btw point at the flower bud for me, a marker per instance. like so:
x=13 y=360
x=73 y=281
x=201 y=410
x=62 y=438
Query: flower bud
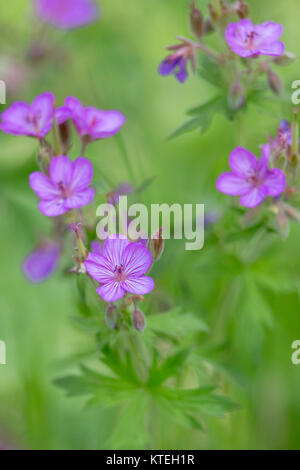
x=138 y=320
x=242 y=9
x=292 y=213
x=283 y=226
x=155 y=245
x=208 y=27
x=111 y=316
x=65 y=136
x=274 y=81
x=196 y=21
x=286 y=58
x=236 y=96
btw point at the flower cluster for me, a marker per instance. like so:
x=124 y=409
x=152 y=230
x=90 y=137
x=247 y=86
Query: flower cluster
x=64 y=187
x=244 y=40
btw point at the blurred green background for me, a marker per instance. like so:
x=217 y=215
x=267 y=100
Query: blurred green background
x=113 y=64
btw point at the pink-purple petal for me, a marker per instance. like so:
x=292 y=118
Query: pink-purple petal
x=61 y=169
x=43 y=108
x=53 y=208
x=80 y=198
x=254 y=197
x=229 y=183
x=99 y=268
x=136 y=259
x=42 y=186
x=103 y=123
x=14 y=120
x=42 y=262
x=242 y=162
x=82 y=173
x=114 y=247
x=111 y=291
x=67 y=14
x=139 y=285
x=275 y=49
x=275 y=182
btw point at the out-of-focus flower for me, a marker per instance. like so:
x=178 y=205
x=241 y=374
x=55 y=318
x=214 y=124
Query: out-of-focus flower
x=124 y=189
x=42 y=262
x=196 y=21
x=120 y=268
x=176 y=63
x=283 y=139
x=93 y=123
x=249 y=40
x=67 y=14
x=251 y=178
x=33 y=120
x=66 y=187
x=15 y=73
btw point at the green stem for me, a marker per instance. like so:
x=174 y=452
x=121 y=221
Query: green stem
x=56 y=137
x=124 y=153
x=239 y=128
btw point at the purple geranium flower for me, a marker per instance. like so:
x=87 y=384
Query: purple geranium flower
x=249 y=40
x=67 y=14
x=33 y=120
x=176 y=63
x=120 y=268
x=42 y=262
x=92 y=122
x=65 y=188
x=251 y=178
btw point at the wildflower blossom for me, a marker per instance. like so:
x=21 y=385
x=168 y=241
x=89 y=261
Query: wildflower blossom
x=34 y=120
x=120 y=268
x=67 y=14
x=94 y=123
x=176 y=63
x=42 y=262
x=251 y=178
x=283 y=138
x=249 y=40
x=66 y=187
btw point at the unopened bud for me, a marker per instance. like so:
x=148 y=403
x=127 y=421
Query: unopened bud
x=292 y=213
x=283 y=226
x=111 y=316
x=196 y=21
x=138 y=320
x=155 y=245
x=242 y=9
x=208 y=26
x=274 y=81
x=65 y=136
x=286 y=58
x=236 y=96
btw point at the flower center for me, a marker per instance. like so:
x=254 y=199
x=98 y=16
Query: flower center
x=64 y=191
x=254 y=179
x=119 y=273
x=250 y=39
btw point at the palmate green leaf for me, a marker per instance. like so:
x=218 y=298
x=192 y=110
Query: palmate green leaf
x=89 y=383
x=159 y=373
x=182 y=405
x=201 y=116
x=130 y=428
